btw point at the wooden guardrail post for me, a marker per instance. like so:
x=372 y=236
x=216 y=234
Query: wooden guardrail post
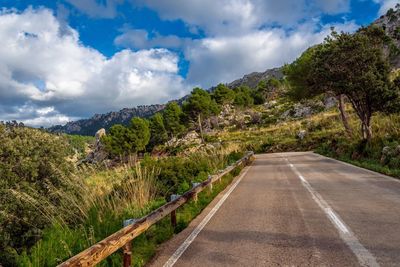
x=220 y=176
x=127 y=248
x=210 y=186
x=173 y=213
x=195 y=198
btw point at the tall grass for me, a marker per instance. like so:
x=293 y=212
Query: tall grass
x=84 y=216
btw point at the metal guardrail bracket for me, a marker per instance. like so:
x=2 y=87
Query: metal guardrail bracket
x=194 y=184
x=127 y=222
x=174 y=196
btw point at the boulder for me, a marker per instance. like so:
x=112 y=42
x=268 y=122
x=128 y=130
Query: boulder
x=302 y=134
x=99 y=134
x=386 y=154
x=98 y=154
x=191 y=138
x=330 y=102
x=397 y=151
x=300 y=111
x=270 y=104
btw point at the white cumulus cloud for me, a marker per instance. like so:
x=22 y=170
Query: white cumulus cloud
x=239 y=16
x=225 y=58
x=386 y=5
x=44 y=67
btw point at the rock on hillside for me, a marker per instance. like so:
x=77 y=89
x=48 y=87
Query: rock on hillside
x=251 y=80
x=390 y=22
x=98 y=121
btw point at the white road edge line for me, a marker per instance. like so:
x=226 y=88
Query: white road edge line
x=182 y=248
x=365 y=258
x=357 y=167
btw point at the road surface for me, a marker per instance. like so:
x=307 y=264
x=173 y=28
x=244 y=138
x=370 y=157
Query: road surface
x=295 y=209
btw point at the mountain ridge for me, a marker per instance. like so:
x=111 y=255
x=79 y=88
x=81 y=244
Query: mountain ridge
x=90 y=125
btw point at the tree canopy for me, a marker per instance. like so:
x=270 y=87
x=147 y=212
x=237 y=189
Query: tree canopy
x=172 y=115
x=200 y=104
x=158 y=133
x=243 y=96
x=223 y=95
x=122 y=140
x=353 y=65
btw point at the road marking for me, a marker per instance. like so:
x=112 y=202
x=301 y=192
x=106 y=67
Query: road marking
x=365 y=258
x=357 y=167
x=178 y=253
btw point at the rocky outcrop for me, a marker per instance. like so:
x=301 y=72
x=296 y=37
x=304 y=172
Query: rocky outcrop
x=303 y=110
x=98 y=154
x=390 y=22
x=231 y=117
x=191 y=138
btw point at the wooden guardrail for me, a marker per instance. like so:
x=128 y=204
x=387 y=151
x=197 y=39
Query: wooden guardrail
x=122 y=238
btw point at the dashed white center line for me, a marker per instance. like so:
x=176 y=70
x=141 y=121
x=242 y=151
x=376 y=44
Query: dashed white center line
x=365 y=258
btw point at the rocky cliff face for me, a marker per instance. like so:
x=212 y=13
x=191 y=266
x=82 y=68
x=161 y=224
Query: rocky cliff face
x=98 y=121
x=390 y=22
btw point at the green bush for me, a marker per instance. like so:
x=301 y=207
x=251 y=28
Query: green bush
x=79 y=144
x=33 y=167
x=122 y=141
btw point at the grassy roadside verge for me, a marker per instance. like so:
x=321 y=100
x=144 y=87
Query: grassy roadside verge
x=370 y=164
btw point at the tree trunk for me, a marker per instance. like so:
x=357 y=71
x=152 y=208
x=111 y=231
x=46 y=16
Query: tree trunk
x=366 y=128
x=343 y=115
x=201 y=129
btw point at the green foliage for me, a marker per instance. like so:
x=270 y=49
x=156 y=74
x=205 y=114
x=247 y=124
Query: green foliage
x=117 y=141
x=200 y=104
x=33 y=165
x=158 y=133
x=300 y=76
x=79 y=143
x=391 y=14
x=177 y=173
x=273 y=82
x=140 y=133
x=243 y=96
x=122 y=141
x=172 y=115
x=259 y=93
x=223 y=95
x=397 y=33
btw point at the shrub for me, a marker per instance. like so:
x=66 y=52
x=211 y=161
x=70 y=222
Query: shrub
x=33 y=167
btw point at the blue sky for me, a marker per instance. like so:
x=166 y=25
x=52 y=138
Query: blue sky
x=68 y=59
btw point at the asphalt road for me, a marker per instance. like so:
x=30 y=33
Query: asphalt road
x=295 y=209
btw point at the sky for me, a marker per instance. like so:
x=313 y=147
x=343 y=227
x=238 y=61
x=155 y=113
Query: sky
x=63 y=60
